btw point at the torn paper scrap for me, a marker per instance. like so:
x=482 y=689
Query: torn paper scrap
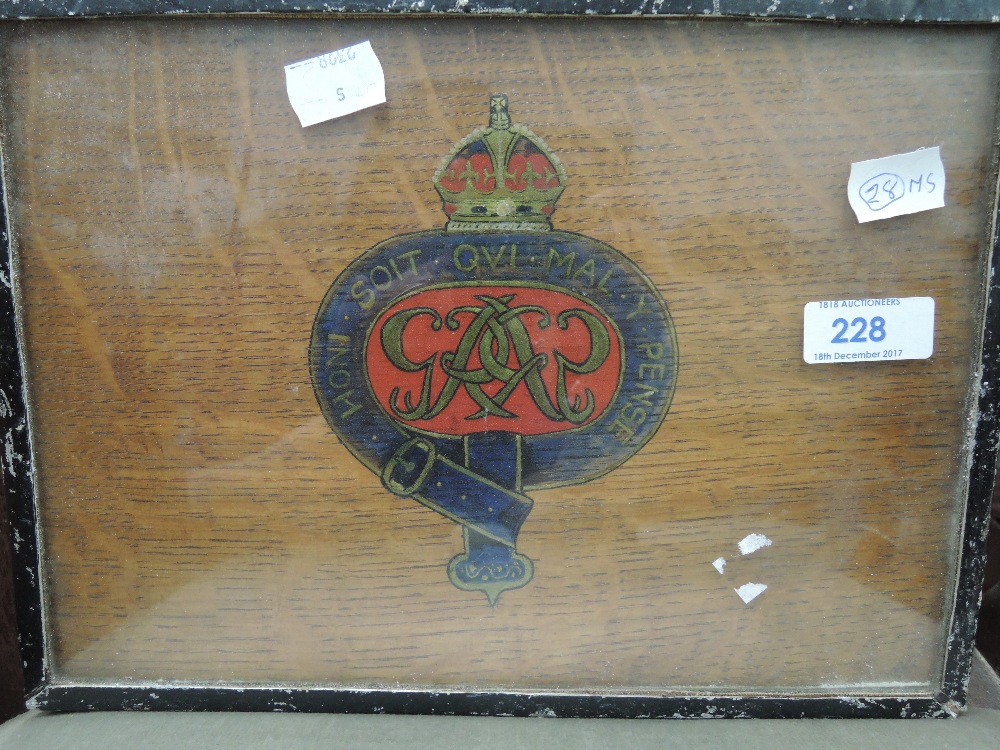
x=720 y=565
x=750 y=591
x=753 y=542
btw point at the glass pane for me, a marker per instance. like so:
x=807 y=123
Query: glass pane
x=177 y=231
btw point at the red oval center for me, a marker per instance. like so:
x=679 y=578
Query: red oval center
x=468 y=359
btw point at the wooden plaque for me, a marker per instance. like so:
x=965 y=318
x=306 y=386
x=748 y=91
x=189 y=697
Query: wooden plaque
x=500 y=396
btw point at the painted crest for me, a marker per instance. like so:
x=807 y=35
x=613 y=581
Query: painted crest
x=471 y=365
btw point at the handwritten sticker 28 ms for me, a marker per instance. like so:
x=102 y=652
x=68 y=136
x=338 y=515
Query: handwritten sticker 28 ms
x=470 y=366
x=897 y=185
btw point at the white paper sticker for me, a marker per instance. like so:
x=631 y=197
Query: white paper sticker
x=335 y=84
x=897 y=185
x=868 y=330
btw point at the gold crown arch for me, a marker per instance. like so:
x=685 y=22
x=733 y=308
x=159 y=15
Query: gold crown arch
x=500 y=178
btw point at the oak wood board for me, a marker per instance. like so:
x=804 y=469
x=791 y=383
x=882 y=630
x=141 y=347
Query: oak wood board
x=176 y=230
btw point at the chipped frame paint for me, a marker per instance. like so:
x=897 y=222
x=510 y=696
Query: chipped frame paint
x=44 y=693
x=879 y=11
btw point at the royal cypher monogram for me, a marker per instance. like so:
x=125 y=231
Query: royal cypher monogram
x=469 y=366
x=496 y=347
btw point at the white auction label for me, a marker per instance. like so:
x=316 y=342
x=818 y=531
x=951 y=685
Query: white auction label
x=868 y=330
x=896 y=185
x=335 y=84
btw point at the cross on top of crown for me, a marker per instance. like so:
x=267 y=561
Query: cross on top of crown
x=499 y=116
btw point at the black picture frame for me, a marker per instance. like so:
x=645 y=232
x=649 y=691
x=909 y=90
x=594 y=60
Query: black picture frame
x=18 y=472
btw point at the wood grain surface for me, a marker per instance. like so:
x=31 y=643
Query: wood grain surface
x=176 y=231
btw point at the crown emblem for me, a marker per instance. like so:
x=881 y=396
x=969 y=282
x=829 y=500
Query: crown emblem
x=500 y=178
